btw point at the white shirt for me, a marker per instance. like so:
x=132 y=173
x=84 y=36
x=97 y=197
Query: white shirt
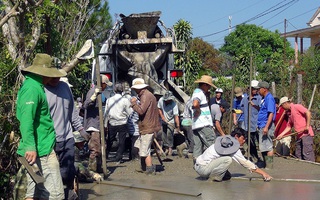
x=205 y=116
x=211 y=154
x=117 y=110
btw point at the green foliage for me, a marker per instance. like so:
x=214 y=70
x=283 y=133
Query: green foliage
x=265 y=48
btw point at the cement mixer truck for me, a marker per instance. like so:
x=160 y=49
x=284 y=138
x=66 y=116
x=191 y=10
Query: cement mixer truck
x=140 y=45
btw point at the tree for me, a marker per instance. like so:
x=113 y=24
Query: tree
x=207 y=53
x=266 y=49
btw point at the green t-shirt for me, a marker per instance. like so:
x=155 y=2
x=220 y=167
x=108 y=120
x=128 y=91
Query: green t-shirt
x=36 y=125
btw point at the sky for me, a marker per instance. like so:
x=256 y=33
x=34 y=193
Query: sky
x=210 y=18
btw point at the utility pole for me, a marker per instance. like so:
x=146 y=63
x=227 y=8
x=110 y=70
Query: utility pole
x=230 y=27
x=284 y=41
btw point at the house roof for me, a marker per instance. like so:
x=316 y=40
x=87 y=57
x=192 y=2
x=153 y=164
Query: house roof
x=314 y=16
x=303 y=33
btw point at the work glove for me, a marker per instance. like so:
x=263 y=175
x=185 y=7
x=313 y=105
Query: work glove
x=85 y=134
x=95 y=94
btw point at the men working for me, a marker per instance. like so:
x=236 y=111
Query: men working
x=65 y=118
x=169 y=114
x=238 y=118
x=201 y=117
x=37 y=128
x=117 y=111
x=299 y=119
x=281 y=120
x=92 y=123
x=252 y=101
x=216 y=160
x=217 y=111
x=266 y=116
x=149 y=123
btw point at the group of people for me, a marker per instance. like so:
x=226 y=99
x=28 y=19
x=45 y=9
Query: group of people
x=257 y=113
x=49 y=118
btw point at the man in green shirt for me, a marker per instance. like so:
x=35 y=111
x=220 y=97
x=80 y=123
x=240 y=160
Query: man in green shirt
x=37 y=129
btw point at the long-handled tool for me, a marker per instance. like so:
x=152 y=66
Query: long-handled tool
x=157 y=153
x=294 y=133
x=162 y=152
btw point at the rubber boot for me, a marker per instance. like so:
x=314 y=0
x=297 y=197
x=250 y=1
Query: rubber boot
x=151 y=170
x=269 y=162
x=180 y=149
x=92 y=164
x=142 y=167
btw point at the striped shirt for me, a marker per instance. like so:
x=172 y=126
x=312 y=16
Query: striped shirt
x=205 y=116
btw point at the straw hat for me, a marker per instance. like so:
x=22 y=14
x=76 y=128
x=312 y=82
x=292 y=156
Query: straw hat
x=43 y=65
x=205 y=79
x=138 y=83
x=226 y=145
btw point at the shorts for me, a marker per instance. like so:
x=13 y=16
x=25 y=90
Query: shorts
x=145 y=145
x=265 y=141
x=52 y=188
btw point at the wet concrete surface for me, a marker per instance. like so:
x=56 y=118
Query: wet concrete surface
x=292 y=180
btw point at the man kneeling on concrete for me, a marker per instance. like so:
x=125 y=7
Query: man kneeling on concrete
x=216 y=160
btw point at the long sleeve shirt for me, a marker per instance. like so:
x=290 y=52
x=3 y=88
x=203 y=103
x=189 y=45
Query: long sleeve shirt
x=211 y=154
x=36 y=125
x=62 y=111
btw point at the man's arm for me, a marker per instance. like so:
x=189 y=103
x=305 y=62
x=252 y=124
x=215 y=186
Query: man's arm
x=196 y=108
x=162 y=115
x=219 y=128
x=269 y=121
x=308 y=120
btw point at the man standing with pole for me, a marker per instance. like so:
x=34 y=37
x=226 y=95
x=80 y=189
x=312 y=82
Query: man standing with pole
x=94 y=122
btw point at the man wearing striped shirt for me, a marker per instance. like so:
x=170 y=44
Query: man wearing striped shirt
x=201 y=117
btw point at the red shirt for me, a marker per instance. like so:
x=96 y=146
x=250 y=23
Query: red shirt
x=298 y=119
x=279 y=123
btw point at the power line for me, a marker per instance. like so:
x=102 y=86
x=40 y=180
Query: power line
x=255 y=17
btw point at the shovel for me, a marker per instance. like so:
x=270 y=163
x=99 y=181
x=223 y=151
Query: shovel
x=162 y=152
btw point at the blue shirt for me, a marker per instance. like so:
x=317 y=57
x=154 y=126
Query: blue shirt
x=268 y=105
x=237 y=105
x=256 y=100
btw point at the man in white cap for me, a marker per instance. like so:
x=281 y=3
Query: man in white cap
x=37 y=128
x=92 y=123
x=149 y=122
x=202 y=125
x=216 y=160
x=252 y=101
x=300 y=118
x=217 y=99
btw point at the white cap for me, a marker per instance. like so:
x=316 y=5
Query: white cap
x=283 y=100
x=219 y=90
x=254 y=83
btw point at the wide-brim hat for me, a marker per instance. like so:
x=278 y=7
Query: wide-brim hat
x=205 y=79
x=226 y=145
x=43 y=65
x=138 y=83
x=283 y=100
